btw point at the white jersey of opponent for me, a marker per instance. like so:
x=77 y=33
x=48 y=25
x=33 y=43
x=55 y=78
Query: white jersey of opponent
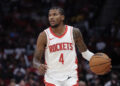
x=60 y=55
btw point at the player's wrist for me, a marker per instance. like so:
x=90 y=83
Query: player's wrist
x=87 y=55
x=36 y=64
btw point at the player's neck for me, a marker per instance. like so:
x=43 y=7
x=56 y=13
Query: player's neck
x=59 y=30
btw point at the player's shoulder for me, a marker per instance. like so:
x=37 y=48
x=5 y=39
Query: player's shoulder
x=43 y=33
x=76 y=33
x=46 y=29
x=42 y=38
x=76 y=30
x=69 y=26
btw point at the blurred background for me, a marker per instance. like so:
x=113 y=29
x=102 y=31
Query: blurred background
x=21 y=21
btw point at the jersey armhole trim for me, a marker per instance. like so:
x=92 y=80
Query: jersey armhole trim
x=71 y=34
x=48 y=42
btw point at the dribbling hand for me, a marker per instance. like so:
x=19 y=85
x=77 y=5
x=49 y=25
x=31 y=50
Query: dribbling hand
x=42 y=69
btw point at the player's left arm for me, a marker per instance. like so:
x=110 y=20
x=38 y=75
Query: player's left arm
x=77 y=35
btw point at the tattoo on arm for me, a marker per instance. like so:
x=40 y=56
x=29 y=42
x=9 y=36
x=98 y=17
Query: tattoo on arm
x=77 y=35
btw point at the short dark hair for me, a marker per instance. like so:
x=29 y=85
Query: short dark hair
x=61 y=10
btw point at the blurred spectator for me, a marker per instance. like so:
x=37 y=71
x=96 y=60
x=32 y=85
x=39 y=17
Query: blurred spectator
x=23 y=59
x=31 y=46
x=100 y=45
x=2 y=83
x=12 y=82
x=82 y=83
x=98 y=82
x=22 y=83
x=19 y=73
x=31 y=82
x=114 y=81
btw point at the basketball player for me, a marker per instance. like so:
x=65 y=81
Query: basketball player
x=57 y=43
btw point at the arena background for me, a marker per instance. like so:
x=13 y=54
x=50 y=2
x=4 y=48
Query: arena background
x=21 y=21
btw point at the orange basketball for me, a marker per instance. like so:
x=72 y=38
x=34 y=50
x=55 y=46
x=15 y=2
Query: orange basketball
x=100 y=63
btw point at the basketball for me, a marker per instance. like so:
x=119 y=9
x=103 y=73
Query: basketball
x=100 y=63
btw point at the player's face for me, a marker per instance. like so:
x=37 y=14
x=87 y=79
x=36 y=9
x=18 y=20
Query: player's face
x=55 y=18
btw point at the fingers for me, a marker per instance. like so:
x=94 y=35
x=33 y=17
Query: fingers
x=46 y=67
x=42 y=69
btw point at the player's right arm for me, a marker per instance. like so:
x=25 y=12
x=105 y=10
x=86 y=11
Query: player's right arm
x=38 y=54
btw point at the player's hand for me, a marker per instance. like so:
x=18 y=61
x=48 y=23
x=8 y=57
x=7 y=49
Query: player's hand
x=42 y=69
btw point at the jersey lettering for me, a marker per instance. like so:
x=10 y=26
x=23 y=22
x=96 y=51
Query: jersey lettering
x=60 y=46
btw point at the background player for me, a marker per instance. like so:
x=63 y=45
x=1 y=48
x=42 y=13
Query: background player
x=58 y=43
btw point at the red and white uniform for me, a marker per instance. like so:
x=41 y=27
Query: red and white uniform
x=60 y=56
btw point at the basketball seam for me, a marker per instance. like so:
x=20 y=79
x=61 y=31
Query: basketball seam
x=99 y=64
x=101 y=57
x=102 y=71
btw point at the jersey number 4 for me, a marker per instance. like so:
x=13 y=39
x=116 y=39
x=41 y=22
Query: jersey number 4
x=61 y=59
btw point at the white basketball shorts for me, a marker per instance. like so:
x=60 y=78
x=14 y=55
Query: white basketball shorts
x=70 y=81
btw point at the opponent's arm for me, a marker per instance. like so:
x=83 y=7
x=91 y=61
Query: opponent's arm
x=39 y=51
x=81 y=45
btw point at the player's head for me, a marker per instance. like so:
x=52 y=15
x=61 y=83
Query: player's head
x=56 y=16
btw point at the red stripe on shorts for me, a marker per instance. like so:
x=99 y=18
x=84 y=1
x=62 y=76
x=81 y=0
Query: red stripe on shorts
x=76 y=84
x=49 y=84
